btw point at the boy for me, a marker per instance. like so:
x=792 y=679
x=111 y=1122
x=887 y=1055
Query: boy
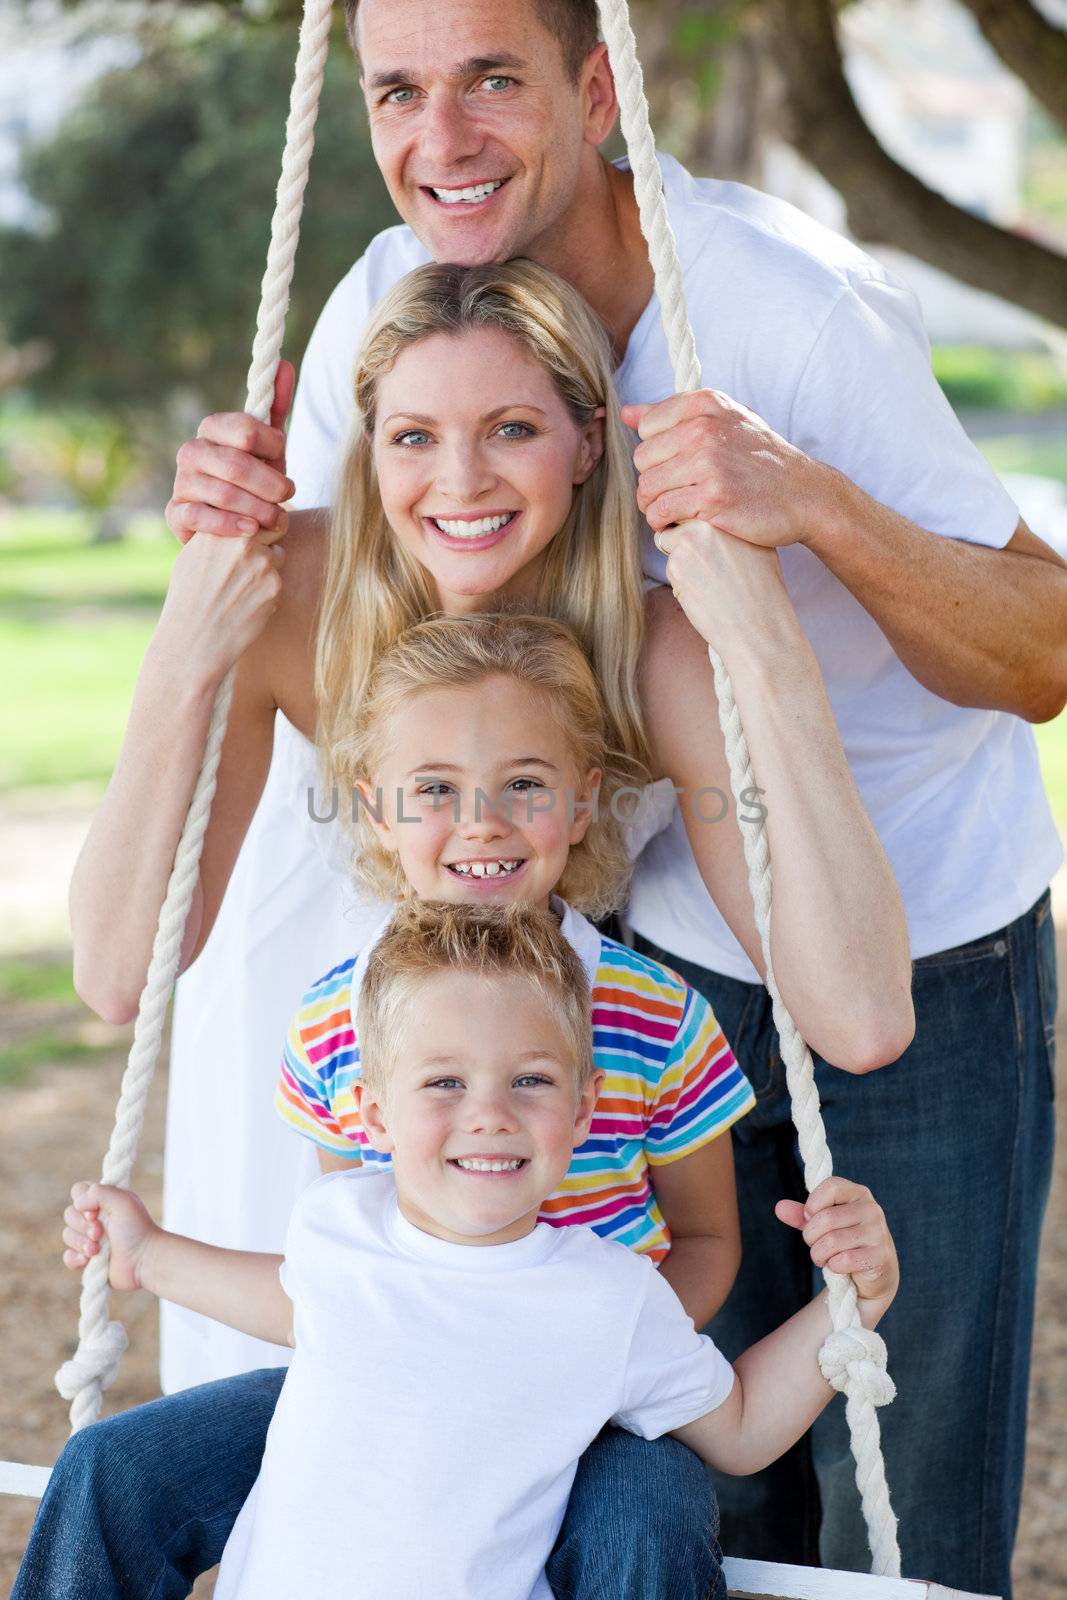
x=454 y=1357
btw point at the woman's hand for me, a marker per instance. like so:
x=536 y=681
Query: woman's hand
x=97 y=1209
x=231 y=478
x=725 y=587
x=845 y=1229
x=222 y=594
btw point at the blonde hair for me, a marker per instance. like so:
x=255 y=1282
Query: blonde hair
x=457 y=652
x=426 y=938
x=590 y=579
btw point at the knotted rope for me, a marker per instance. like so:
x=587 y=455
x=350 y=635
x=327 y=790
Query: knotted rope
x=853 y=1358
x=100 y=1342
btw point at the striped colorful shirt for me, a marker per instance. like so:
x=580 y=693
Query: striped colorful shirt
x=671 y=1084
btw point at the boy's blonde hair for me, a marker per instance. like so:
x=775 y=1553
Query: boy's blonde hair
x=456 y=652
x=590 y=577
x=428 y=938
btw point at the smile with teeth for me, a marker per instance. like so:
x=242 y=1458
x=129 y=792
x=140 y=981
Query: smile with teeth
x=473 y=192
x=484 y=869
x=472 y=527
x=477 y=1164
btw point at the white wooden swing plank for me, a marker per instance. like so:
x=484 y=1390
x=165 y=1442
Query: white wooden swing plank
x=17 y=1478
x=748 y=1580
x=767 y=1580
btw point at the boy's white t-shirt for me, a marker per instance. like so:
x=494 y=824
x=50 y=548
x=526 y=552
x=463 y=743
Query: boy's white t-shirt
x=439 y=1398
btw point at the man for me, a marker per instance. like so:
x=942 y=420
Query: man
x=940 y=623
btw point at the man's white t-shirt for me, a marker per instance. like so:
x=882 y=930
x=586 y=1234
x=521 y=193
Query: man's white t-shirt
x=829 y=349
x=439 y=1398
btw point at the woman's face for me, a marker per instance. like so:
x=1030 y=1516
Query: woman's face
x=477 y=458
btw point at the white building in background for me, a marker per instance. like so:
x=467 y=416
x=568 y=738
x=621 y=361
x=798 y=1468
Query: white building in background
x=942 y=104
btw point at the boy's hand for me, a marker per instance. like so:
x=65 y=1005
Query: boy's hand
x=845 y=1229
x=96 y=1209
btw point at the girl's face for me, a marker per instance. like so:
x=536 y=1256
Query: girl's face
x=479 y=795
x=477 y=458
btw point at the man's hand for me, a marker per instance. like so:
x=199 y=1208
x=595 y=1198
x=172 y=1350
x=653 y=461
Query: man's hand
x=96 y=1209
x=703 y=455
x=231 y=478
x=845 y=1228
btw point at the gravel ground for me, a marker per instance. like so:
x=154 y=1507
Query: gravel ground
x=56 y=1127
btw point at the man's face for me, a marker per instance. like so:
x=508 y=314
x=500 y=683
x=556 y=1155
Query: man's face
x=476 y=126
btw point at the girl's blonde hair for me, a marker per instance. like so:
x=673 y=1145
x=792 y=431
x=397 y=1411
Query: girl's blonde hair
x=458 y=652
x=590 y=577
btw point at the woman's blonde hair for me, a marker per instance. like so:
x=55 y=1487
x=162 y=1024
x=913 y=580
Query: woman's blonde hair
x=590 y=578
x=458 y=652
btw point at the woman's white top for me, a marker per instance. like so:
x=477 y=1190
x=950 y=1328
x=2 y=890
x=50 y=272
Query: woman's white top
x=439 y=1398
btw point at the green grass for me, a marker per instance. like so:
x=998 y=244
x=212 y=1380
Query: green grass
x=49 y=1047
x=1043 y=455
x=74 y=622
x=1052 y=748
x=46 y=978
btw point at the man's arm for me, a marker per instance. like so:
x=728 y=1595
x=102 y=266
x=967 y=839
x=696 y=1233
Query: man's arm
x=975 y=625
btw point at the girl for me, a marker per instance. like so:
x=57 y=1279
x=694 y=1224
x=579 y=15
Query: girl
x=479 y=757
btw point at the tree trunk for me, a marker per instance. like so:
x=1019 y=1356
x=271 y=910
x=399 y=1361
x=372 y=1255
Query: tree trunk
x=885 y=202
x=1031 y=46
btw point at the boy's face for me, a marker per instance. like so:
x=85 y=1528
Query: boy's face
x=476 y=126
x=482 y=1113
x=479 y=794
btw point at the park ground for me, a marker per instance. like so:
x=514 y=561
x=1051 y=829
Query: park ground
x=73 y=621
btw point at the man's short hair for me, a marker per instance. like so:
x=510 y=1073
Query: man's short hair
x=426 y=939
x=572 y=22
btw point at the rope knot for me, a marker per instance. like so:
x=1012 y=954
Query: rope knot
x=855 y=1359
x=96 y=1360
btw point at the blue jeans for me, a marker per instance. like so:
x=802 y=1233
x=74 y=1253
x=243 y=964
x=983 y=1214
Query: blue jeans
x=139 y=1505
x=955 y=1140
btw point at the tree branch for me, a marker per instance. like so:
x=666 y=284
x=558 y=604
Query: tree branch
x=886 y=202
x=1034 y=48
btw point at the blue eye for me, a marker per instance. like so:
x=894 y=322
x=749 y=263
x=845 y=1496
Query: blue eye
x=412 y=438
x=532 y=1080
x=444 y=1083
x=498 y=78
x=515 y=430
x=391 y=98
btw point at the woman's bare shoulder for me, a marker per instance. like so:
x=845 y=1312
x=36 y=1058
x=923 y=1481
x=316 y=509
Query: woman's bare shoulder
x=283 y=656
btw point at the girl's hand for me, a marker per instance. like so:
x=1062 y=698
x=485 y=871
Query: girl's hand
x=725 y=587
x=845 y=1229
x=97 y=1209
x=231 y=478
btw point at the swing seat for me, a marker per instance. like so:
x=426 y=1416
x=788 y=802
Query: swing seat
x=747 y=1580
x=769 y=1580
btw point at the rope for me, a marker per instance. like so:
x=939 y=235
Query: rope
x=853 y=1358
x=100 y=1342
